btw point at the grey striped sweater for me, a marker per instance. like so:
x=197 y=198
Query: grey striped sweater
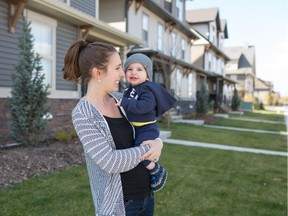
x=104 y=162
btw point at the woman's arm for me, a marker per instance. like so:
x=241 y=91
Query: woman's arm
x=97 y=146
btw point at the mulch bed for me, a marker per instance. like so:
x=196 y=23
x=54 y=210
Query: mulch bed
x=21 y=163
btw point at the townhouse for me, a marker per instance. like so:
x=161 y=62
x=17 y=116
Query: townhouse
x=264 y=93
x=242 y=68
x=167 y=41
x=55 y=25
x=208 y=54
x=157 y=28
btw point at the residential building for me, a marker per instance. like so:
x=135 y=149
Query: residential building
x=264 y=93
x=168 y=40
x=242 y=68
x=207 y=53
x=55 y=25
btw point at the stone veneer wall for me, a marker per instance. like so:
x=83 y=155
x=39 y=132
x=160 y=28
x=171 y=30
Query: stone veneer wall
x=59 y=108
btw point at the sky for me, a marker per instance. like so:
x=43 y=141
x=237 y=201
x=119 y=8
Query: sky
x=259 y=23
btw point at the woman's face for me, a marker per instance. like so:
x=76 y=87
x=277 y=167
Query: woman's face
x=136 y=74
x=114 y=73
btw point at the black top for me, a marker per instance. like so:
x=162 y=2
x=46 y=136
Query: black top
x=135 y=182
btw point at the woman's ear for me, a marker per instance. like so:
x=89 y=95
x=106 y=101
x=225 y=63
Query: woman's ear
x=96 y=73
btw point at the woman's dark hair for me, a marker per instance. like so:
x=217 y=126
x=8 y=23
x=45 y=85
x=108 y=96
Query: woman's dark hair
x=82 y=57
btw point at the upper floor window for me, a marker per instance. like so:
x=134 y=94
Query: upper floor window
x=173 y=44
x=231 y=66
x=209 y=61
x=145 y=25
x=43 y=30
x=160 y=37
x=183 y=49
x=179 y=6
x=168 y=5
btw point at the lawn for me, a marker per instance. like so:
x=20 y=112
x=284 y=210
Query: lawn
x=214 y=182
x=201 y=181
x=276 y=127
x=228 y=137
x=261 y=115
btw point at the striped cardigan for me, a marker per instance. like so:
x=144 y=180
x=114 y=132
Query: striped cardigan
x=104 y=163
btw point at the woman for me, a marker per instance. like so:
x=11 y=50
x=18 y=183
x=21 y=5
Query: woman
x=115 y=173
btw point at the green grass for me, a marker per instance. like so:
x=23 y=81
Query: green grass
x=261 y=115
x=200 y=182
x=63 y=193
x=251 y=125
x=227 y=137
x=214 y=182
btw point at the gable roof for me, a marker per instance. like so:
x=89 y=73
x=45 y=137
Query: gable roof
x=201 y=15
x=223 y=24
x=183 y=26
x=245 y=56
x=263 y=85
x=243 y=62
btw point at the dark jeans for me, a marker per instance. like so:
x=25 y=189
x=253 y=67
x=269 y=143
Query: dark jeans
x=140 y=207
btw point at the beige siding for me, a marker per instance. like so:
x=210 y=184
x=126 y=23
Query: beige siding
x=106 y=12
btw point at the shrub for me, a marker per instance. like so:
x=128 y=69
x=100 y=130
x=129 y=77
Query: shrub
x=29 y=94
x=236 y=101
x=63 y=135
x=202 y=102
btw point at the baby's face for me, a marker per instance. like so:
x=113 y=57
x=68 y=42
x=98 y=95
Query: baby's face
x=136 y=74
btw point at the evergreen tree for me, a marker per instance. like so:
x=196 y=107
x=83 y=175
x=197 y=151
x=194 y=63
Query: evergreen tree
x=202 y=102
x=29 y=94
x=236 y=101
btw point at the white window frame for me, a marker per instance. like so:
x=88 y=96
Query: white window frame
x=179 y=6
x=47 y=21
x=39 y=18
x=145 y=26
x=183 y=49
x=176 y=82
x=160 y=34
x=173 y=44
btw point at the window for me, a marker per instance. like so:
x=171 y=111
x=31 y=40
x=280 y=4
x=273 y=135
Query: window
x=209 y=60
x=160 y=37
x=145 y=24
x=173 y=44
x=43 y=30
x=190 y=85
x=178 y=82
x=179 y=6
x=183 y=49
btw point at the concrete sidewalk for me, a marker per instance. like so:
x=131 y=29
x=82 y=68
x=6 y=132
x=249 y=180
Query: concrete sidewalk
x=224 y=147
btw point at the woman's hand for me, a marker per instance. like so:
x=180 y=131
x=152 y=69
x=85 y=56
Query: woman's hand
x=155 y=149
